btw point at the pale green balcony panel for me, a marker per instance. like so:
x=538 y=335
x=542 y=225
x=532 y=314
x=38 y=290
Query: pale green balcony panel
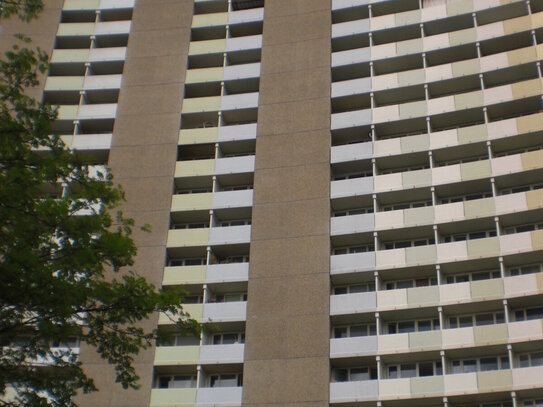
x=191 y=202
x=413 y=109
x=195 y=311
x=194 y=168
x=207 y=47
x=69 y=55
x=423 y=295
x=67 y=112
x=459 y=7
x=479 y=208
x=475 y=170
x=176 y=355
x=409 y=47
x=75 y=29
x=472 y=134
x=173 y=397
x=188 y=237
x=421 y=255
x=198 y=136
x=408 y=78
x=468 y=100
x=486 y=289
x=184 y=275
x=81 y=4
x=425 y=340
x=462 y=68
x=497 y=380
x=410 y=144
x=64 y=83
x=483 y=247
x=460 y=37
x=209 y=20
x=202 y=104
x=416 y=179
x=490 y=334
x=204 y=75
x=408 y=17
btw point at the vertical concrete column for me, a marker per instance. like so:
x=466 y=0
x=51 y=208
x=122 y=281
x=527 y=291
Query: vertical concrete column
x=142 y=159
x=287 y=333
x=42 y=32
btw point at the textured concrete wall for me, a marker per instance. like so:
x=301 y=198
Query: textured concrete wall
x=287 y=345
x=143 y=159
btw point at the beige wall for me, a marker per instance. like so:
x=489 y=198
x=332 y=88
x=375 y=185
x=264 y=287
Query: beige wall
x=143 y=158
x=287 y=345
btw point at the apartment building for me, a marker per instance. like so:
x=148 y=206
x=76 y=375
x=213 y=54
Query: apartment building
x=351 y=192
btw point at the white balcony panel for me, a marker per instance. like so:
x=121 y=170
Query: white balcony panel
x=351 y=187
x=389 y=220
x=506 y=165
x=433 y=13
x=234 y=72
x=516 y=243
x=92 y=141
x=351 y=56
x=244 y=43
x=388 y=147
x=238 y=132
x=519 y=286
x=214 y=354
x=452 y=293
x=387 y=81
x=339 y=4
x=435 y=42
x=240 y=101
x=438 y=73
x=98 y=111
x=351 y=152
x=219 y=396
x=225 y=311
x=97 y=171
x=235 y=165
x=351 y=119
x=527 y=377
x=498 y=94
x=344 y=225
x=352 y=303
x=245 y=16
x=510 y=203
x=388 y=182
x=446 y=175
x=350 y=28
x=351 y=87
x=383 y=51
x=502 y=129
x=386 y=114
x=226 y=273
x=488 y=31
x=102 y=82
x=230 y=235
x=462 y=383
x=441 y=105
x=449 y=212
x=354 y=391
x=442 y=139
x=524 y=331
x=232 y=199
x=394 y=388
x=346 y=263
x=352 y=347
x=392 y=299
x=107 y=54
x=110 y=4
x=112 y=27
x=494 y=62
x=383 y=22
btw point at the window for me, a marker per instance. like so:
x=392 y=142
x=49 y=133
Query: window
x=176 y=382
x=354 y=249
x=480 y=364
x=532 y=403
x=529 y=314
x=361 y=174
x=200 y=261
x=469 y=236
x=228 y=338
x=351 y=212
x=530 y=359
x=474 y=276
x=236 y=188
x=488 y=318
x=355 y=331
x=420 y=282
x=463 y=198
x=409 y=243
x=355 y=288
x=522 y=270
x=195 y=225
x=404 y=169
x=405 y=205
x=421 y=369
x=518 y=189
x=240 y=222
x=193 y=299
x=234 y=259
x=412 y=326
x=462 y=160
x=232 y=297
x=71 y=342
x=523 y=228
x=179 y=340
x=226 y=380
x=354 y=374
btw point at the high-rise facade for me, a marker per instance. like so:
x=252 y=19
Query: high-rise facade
x=351 y=192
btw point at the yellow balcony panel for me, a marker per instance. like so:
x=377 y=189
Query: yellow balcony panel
x=57 y=83
x=490 y=334
x=419 y=178
x=526 y=89
x=497 y=380
x=534 y=199
x=413 y=109
x=472 y=134
x=81 y=4
x=483 y=247
x=188 y=237
x=424 y=340
x=539 y=50
x=75 y=29
x=70 y=55
x=421 y=255
x=469 y=67
x=486 y=289
x=209 y=20
x=537 y=20
x=184 y=275
x=420 y=142
x=462 y=36
x=194 y=168
x=468 y=100
x=198 y=136
x=67 y=112
x=459 y=7
x=521 y=56
x=418 y=216
x=532 y=160
x=423 y=295
x=191 y=202
x=515 y=25
x=205 y=104
x=479 y=208
x=177 y=355
x=537 y=239
x=427 y=386
x=195 y=311
x=413 y=77
x=204 y=75
x=207 y=47
x=475 y=170
x=531 y=123
x=408 y=47
x=173 y=397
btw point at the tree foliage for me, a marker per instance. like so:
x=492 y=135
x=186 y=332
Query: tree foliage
x=26 y=10
x=64 y=259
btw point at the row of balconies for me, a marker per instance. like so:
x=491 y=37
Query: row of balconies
x=229 y=18
x=201 y=397
x=221 y=46
x=210 y=274
x=227 y=73
x=223 y=134
x=220 y=103
x=437 y=106
x=93 y=55
x=437 y=253
x=214 y=236
x=211 y=313
x=74 y=5
x=98 y=29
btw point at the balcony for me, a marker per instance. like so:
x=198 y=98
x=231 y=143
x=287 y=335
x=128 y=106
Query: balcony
x=188 y=237
x=346 y=392
x=225 y=312
x=246 y=16
x=356 y=262
x=411 y=387
x=235 y=165
x=345 y=225
x=221 y=354
x=227 y=273
x=173 y=397
x=245 y=71
x=176 y=355
x=92 y=142
x=244 y=43
x=351 y=187
x=519 y=286
x=407 y=297
x=99 y=82
x=230 y=235
x=353 y=347
x=98 y=111
x=219 y=396
x=353 y=303
x=183 y=275
x=475 y=336
x=232 y=199
x=237 y=132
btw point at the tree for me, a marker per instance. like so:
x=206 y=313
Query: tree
x=64 y=259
